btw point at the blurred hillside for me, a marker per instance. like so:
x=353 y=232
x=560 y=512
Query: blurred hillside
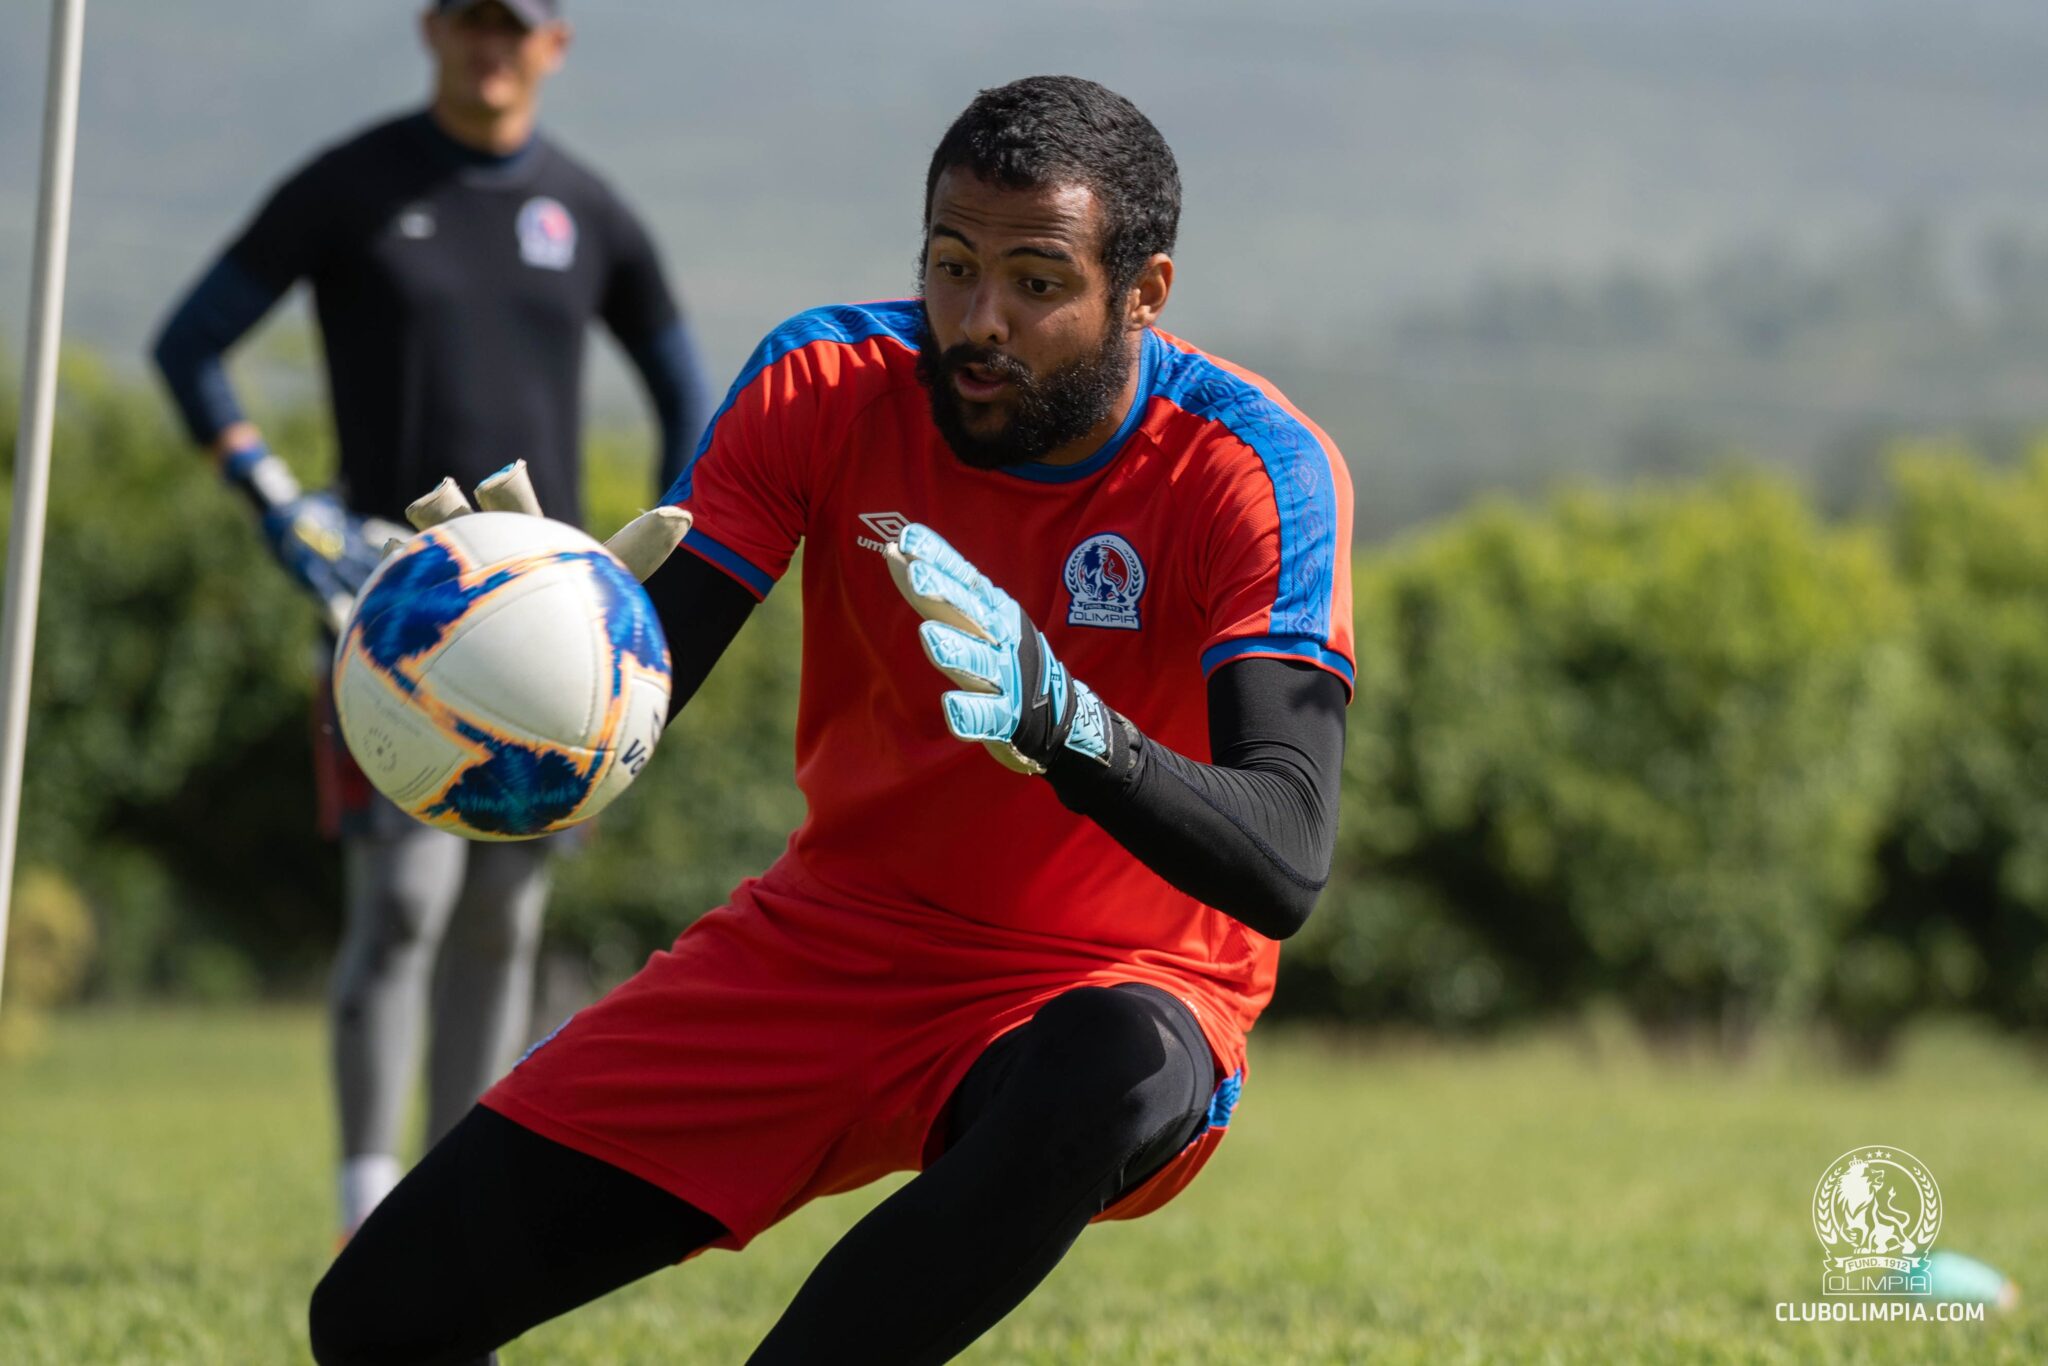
x=1808 y=361
x=1481 y=240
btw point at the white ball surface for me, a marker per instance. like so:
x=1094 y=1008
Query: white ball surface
x=502 y=676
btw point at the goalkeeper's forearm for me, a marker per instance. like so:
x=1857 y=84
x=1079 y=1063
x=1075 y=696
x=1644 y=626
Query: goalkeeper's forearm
x=1251 y=834
x=701 y=609
x=218 y=311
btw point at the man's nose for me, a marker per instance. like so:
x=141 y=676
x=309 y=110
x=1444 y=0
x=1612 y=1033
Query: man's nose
x=985 y=323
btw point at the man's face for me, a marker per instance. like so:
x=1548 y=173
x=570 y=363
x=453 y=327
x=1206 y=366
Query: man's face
x=1026 y=351
x=489 y=62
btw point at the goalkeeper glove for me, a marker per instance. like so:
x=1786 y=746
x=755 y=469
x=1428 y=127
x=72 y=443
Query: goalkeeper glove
x=1017 y=699
x=326 y=548
x=642 y=545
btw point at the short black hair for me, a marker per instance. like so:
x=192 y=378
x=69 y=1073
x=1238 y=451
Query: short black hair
x=1062 y=130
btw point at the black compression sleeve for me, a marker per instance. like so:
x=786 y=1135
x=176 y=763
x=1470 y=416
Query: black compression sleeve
x=701 y=609
x=1251 y=834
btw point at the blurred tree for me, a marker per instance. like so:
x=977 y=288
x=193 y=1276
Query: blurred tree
x=1967 y=867
x=171 y=674
x=1632 y=745
x=49 y=948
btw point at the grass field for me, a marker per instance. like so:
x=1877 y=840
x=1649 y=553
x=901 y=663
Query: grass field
x=164 y=1197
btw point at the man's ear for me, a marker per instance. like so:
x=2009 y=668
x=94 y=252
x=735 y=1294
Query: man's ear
x=1149 y=292
x=563 y=36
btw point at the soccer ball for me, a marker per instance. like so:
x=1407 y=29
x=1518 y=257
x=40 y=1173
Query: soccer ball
x=501 y=676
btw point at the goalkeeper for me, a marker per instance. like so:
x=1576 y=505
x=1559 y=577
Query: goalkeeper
x=457 y=259
x=1077 y=649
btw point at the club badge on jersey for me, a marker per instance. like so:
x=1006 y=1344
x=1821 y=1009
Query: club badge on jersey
x=1105 y=578
x=547 y=234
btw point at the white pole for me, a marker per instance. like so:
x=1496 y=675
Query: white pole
x=32 y=439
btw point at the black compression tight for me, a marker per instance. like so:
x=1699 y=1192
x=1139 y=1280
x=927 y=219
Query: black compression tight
x=496 y=1230
x=499 y=1229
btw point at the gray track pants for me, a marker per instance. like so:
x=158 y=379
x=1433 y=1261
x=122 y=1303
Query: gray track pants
x=432 y=919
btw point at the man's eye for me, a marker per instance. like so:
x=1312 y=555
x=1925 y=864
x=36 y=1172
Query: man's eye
x=1040 y=287
x=954 y=269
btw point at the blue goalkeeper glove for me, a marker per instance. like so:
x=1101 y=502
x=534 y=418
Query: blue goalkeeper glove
x=1016 y=699
x=320 y=543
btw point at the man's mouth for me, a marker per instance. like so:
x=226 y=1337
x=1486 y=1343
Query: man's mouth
x=979 y=383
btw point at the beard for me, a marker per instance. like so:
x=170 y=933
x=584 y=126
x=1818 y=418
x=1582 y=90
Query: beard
x=1047 y=411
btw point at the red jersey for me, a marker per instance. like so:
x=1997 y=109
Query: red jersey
x=1214 y=525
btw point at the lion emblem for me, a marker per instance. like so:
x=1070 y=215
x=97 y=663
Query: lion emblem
x=1867 y=1211
x=1105 y=575
x=1875 y=1210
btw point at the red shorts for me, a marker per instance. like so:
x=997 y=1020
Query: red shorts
x=346 y=799
x=784 y=1049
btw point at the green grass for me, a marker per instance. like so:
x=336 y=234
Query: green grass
x=165 y=1197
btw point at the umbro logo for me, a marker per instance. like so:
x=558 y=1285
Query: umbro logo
x=887 y=526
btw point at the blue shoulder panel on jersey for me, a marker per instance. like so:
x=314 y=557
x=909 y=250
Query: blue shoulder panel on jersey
x=901 y=319
x=1295 y=461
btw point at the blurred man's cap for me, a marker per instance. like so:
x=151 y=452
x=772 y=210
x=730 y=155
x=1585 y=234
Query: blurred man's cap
x=532 y=13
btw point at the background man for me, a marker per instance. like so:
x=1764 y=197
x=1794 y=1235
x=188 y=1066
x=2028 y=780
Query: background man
x=1033 y=990
x=457 y=259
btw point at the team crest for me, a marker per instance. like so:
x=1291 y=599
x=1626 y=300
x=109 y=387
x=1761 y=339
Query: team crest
x=1106 y=579
x=547 y=234
x=1876 y=1211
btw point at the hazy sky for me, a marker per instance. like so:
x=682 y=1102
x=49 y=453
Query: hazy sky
x=1340 y=157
